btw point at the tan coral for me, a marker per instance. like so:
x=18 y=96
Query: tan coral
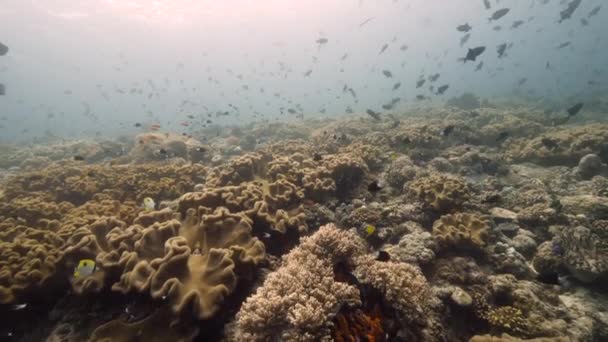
x=196 y=270
x=27 y=262
x=442 y=193
x=296 y=302
x=462 y=230
x=571 y=144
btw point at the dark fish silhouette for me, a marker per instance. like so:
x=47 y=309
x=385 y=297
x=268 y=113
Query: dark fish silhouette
x=384 y=47
x=306 y=74
x=442 y=89
x=374 y=186
x=464 y=28
x=549 y=143
x=352 y=92
x=387 y=73
x=594 y=11
x=501 y=50
x=447 y=130
x=479 y=66
x=563 y=45
x=373 y=114
x=499 y=14
x=572 y=111
x=584 y=22
x=322 y=41
x=517 y=23
x=403 y=47
x=397 y=85
x=366 y=21
x=383 y=256
x=486 y=3
x=434 y=77
x=3 y=49
x=473 y=53
x=464 y=39
x=502 y=136
x=522 y=81
x=567 y=13
x=420 y=83
x=2 y=89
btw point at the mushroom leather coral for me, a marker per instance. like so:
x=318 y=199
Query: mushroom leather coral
x=462 y=230
x=440 y=192
x=198 y=267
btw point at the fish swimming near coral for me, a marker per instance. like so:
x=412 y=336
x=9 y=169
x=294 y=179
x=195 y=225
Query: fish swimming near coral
x=572 y=111
x=369 y=229
x=383 y=256
x=374 y=186
x=373 y=114
x=442 y=89
x=149 y=204
x=85 y=268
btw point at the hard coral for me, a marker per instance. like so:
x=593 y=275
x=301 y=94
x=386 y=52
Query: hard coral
x=462 y=231
x=296 y=302
x=442 y=193
x=562 y=146
x=585 y=254
x=406 y=289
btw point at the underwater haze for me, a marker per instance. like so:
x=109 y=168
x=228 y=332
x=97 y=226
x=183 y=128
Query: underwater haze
x=76 y=69
x=306 y=171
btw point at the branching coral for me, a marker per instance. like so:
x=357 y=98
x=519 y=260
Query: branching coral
x=296 y=302
x=300 y=299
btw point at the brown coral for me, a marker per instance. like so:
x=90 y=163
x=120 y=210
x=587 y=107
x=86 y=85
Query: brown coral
x=196 y=270
x=442 y=193
x=571 y=144
x=296 y=302
x=462 y=230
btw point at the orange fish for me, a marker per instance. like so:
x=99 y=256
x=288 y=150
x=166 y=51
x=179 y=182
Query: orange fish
x=185 y=124
x=155 y=127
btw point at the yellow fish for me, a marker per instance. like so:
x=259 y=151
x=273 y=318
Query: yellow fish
x=369 y=229
x=85 y=268
x=149 y=204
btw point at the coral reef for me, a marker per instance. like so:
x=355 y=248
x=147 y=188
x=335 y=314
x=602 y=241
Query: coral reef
x=562 y=146
x=299 y=300
x=442 y=193
x=482 y=224
x=462 y=231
